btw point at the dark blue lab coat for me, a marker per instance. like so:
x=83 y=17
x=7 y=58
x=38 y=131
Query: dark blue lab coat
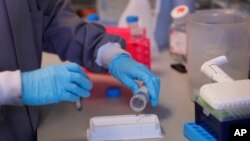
x=36 y=26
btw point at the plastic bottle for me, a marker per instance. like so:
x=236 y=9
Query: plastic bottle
x=178 y=40
x=142 y=9
x=135 y=30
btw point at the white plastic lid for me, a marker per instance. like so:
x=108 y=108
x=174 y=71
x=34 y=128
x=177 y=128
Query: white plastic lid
x=227 y=95
x=179 y=11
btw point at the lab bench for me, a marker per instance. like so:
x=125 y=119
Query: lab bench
x=62 y=122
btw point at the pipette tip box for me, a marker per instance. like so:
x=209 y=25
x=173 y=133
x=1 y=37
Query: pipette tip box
x=221 y=130
x=124 y=127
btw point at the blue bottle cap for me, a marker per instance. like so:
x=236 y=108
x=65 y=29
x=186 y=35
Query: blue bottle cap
x=113 y=92
x=93 y=18
x=132 y=19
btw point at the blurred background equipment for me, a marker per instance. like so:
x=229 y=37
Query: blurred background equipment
x=213 y=33
x=162 y=22
x=154 y=15
x=110 y=10
x=221 y=105
x=143 y=10
x=93 y=18
x=178 y=37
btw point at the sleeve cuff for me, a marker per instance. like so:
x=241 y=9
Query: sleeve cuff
x=107 y=52
x=10 y=88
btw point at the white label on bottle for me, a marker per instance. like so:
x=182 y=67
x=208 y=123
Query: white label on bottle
x=178 y=43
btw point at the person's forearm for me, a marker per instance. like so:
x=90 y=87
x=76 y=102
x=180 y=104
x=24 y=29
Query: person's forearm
x=10 y=88
x=107 y=52
x=72 y=39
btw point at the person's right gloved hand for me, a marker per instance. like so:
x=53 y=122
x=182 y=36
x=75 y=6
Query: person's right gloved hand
x=55 y=83
x=127 y=71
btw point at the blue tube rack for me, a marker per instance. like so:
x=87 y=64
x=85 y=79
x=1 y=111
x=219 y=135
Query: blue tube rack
x=194 y=132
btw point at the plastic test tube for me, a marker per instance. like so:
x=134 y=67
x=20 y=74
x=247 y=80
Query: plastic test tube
x=79 y=105
x=139 y=101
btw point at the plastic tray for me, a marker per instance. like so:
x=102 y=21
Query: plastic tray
x=124 y=127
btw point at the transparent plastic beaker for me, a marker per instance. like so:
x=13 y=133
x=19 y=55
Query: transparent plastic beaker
x=111 y=10
x=213 y=33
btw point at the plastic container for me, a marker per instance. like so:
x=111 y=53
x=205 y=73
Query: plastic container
x=178 y=39
x=139 y=101
x=224 y=115
x=124 y=127
x=194 y=132
x=111 y=10
x=189 y=3
x=142 y=9
x=214 y=33
x=220 y=130
x=136 y=31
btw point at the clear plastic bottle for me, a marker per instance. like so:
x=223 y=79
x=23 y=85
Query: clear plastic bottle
x=142 y=9
x=135 y=30
x=111 y=10
x=178 y=39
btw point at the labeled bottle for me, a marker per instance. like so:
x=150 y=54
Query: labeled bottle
x=189 y=3
x=139 y=101
x=142 y=9
x=178 y=39
x=135 y=30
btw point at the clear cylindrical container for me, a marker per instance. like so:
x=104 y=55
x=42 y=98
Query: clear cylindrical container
x=139 y=101
x=111 y=10
x=135 y=30
x=213 y=33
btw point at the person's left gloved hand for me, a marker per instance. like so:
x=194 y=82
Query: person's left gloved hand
x=55 y=83
x=127 y=70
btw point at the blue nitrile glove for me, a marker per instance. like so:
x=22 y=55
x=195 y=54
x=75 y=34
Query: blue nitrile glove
x=127 y=70
x=55 y=83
